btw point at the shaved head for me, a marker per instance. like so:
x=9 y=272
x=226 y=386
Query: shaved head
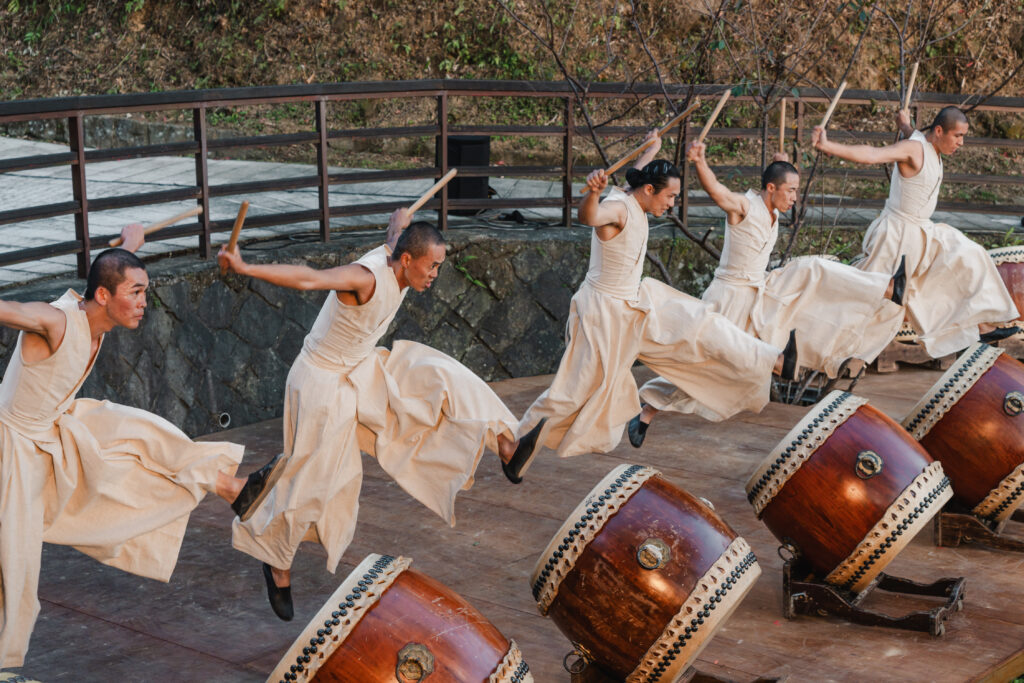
x=948 y=118
x=417 y=239
x=108 y=269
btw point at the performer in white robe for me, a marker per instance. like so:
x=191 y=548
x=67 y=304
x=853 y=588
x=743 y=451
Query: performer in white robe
x=424 y=416
x=953 y=288
x=617 y=317
x=116 y=483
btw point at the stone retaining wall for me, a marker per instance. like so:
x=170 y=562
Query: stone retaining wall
x=213 y=349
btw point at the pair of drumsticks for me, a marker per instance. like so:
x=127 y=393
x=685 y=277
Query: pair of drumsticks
x=244 y=208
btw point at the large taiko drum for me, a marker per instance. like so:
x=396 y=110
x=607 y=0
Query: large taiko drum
x=971 y=421
x=847 y=489
x=1010 y=264
x=641 y=575
x=389 y=623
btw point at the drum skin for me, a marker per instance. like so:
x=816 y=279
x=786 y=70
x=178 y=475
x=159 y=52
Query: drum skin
x=406 y=617
x=616 y=610
x=979 y=444
x=825 y=509
x=1010 y=264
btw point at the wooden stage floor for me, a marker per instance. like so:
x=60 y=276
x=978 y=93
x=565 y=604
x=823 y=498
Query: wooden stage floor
x=212 y=621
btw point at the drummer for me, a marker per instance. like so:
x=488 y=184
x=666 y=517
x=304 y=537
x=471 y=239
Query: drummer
x=424 y=416
x=116 y=483
x=839 y=313
x=954 y=293
x=617 y=317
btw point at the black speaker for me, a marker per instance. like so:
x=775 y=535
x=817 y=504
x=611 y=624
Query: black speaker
x=466 y=150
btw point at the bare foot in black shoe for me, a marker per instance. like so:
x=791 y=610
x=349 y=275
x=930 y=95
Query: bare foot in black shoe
x=637 y=428
x=279 y=591
x=525 y=451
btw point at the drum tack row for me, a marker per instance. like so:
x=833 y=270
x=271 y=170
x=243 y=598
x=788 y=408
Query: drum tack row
x=642 y=574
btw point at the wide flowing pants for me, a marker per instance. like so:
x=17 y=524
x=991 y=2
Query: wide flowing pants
x=708 y=366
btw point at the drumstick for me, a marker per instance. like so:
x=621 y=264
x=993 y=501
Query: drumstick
x=153 y=227
x=714 y=115
x=432 y=191
x=647 y=143
x=910 y=85
x=237 y=227
x=782 y=127
x=832 y=104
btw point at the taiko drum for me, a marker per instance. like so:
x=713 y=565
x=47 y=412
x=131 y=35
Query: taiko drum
x=847 y=489
x=387 y=622
x=1010 y=264
x=641 y=575
x=971 y=421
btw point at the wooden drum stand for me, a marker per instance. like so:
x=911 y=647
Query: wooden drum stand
x=955 y=525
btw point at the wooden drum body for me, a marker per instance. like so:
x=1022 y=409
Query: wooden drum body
x=847 y=489
x=389 y=623
x=641 y=575
x=972 y=422
x=1010 y=264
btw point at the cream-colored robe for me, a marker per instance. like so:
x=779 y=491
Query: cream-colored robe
x=952 y=283
x=422 y=414
x=838 y=311
x=114 y=482
x=710 y=366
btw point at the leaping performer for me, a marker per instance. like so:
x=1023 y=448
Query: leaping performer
x=954 y=292
x=424 y=416
x=116 y=483
x=839 y=312
x=617 y=316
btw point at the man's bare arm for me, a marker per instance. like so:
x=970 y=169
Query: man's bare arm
x=734 y=204
x=34 y=316
x=610 y=215
x=651 y=152
x=903 y=152
x=347 y=278
x=399 y=221
x=903 y=123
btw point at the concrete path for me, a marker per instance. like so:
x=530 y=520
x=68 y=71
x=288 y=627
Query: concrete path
x=113 y=178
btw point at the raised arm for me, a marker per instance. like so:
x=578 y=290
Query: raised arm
x=734 y=204
x=651 y=152
x=399 y=221
x=903 y=123
x=348 y=278
x=36 y=317
x=608 y=218
x=907 y=153
x=133 y=236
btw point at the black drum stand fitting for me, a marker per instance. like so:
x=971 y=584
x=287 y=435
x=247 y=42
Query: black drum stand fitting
x=811 y=596
x=955 y=526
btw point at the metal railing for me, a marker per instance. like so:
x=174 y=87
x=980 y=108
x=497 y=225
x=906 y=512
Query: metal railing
x=320 y=96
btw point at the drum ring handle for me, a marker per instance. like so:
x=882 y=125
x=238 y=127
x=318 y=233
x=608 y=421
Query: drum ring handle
x=1013 y=403
x=789 y=547
x=415 y=663
x=653 y=553
x=868 y=464
x=583 y=659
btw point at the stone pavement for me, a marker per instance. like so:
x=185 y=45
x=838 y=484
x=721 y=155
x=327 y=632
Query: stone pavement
x=106 y=179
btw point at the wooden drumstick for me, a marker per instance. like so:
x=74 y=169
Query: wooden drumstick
x=237 y=227
x=714 y=115
x=910 y=85
x=782 y=127
x=832 y=104
x=432 y=191
x=153 y=227
x=647 y=143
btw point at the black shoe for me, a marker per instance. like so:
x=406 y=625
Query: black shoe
x=637 y=431
x=789 y=366
x=527 y=448
x=998 y=334
x=257 y=486
x=899 y=282
x=280 y=598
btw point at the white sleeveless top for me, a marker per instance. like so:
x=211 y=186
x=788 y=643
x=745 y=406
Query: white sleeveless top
x=917 y=197
x=617 y=265
x=748 y=244
x=343 y=335
x=34 y=395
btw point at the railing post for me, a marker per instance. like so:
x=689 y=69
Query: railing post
x=202 y=178
x=683 y=139
x=797 y=142
x=76 y=140
x=321 y=161
x=442 y=122
x=570 y=126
